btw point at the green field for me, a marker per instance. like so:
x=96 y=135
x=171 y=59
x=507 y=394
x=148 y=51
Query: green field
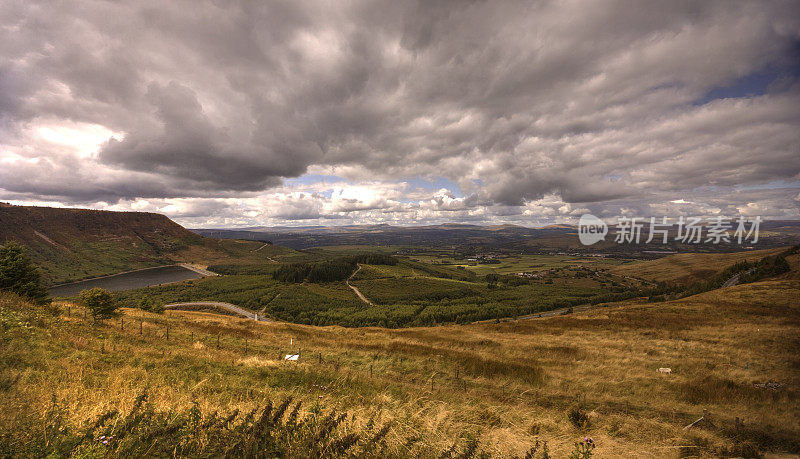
x=415 y=291
x=511 y=264
x=409 y=293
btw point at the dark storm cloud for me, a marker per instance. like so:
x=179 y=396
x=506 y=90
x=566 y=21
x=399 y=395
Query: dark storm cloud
x=590 y=101
x=190 y=146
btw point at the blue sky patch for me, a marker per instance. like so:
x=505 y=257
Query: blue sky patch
x=313 y=178
x=752 y=85
x=435 y=184
x=756 y=83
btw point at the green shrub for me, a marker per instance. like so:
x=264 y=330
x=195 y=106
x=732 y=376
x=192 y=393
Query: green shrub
x=19 y=275
x=147 y=304
x=100 y=302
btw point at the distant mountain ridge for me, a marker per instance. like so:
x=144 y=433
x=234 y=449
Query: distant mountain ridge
x=345 y=228
x=430 y=235
x=551 y=238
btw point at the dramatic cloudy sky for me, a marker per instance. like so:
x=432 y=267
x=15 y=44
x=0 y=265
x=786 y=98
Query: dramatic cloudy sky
x=296 y=113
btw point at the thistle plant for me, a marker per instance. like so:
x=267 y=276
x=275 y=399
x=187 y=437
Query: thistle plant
x=583 y=449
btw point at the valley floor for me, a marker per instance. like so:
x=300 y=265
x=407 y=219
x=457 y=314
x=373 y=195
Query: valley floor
x=734 y=352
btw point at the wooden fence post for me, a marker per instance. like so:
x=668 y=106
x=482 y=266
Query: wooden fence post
x=217 y=340
x=141 y=324
x=192 y=338
x=245 y=346
x=167 y=332
x=122 y=323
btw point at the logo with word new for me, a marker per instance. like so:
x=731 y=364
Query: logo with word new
x=591 y=229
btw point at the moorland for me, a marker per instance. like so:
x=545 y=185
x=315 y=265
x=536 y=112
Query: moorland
x=401 y=350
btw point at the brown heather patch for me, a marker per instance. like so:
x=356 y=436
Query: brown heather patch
x=688 y=267
x=521 y=377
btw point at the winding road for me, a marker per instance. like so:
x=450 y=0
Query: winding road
x=355 y=289
x=217 y=304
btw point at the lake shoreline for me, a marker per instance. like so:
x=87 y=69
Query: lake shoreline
x=139 y=278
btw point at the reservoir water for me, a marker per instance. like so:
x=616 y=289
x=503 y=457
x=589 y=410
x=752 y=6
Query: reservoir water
x=130 y=280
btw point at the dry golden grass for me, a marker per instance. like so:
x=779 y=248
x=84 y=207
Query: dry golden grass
x=520 y=377
x=688 y=267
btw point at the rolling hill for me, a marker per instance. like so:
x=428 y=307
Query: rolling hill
x=688 y=267
x=74 y=244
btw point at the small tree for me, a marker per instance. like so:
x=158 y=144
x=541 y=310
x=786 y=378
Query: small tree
x=19 y=275
x=100 y=302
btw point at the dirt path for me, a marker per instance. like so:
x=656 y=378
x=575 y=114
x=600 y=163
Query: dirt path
x=735 y=278
x=216 y=304
x=50 y=241
x=355 y=289
x=268 y=258
x=264 y=309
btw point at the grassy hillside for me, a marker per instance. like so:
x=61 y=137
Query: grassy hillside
x=732 y=351
x=688 y=267
x=71 y=244
x=74 y=244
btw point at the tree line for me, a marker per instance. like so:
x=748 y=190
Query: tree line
x=334 y=270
